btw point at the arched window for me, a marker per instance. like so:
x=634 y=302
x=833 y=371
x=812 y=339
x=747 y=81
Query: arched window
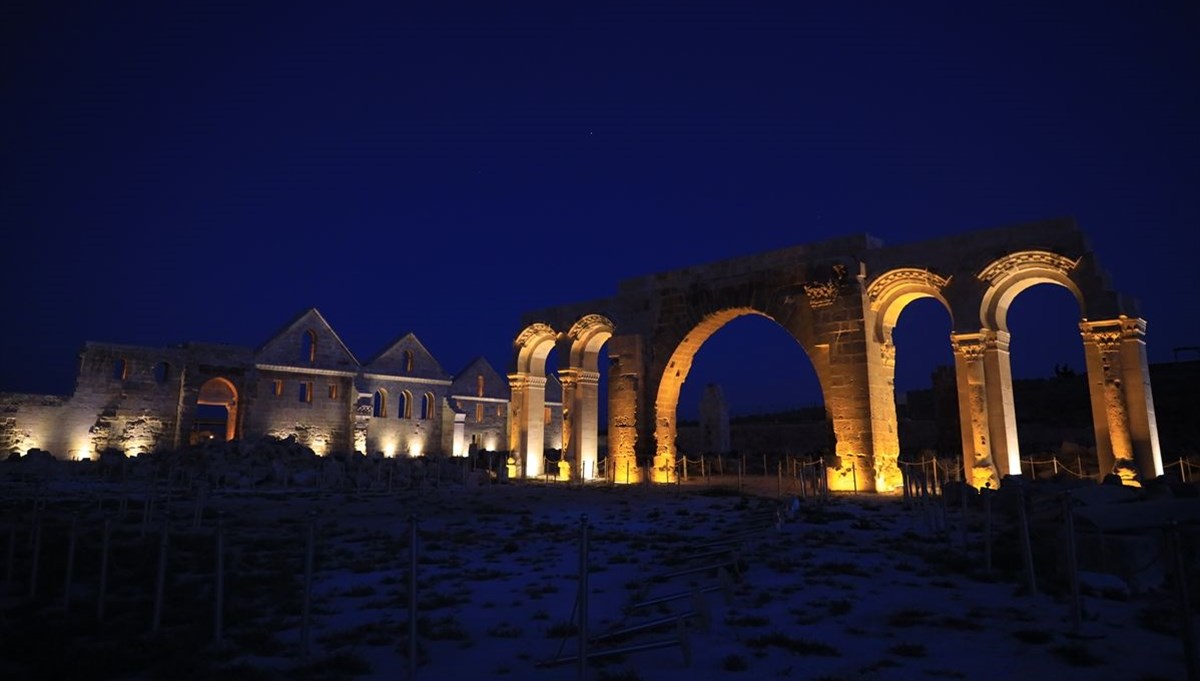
x=120 y=369
x=479 y=385
x=162 y=371
x=427 y=403
x=379 y=407
x=408 y=361
x=405 y=410
x=308 y=346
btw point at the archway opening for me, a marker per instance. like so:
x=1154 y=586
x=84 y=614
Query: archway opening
x=1055 y=431
x=216 y=411
x=741 y=390
x=926 y=396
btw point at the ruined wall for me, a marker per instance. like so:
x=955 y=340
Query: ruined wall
x=32 y=422
x=303 y=408
x=126 y=398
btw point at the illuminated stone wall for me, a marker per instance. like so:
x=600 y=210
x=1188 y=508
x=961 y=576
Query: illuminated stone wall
x=302 y=383
x=480 y=393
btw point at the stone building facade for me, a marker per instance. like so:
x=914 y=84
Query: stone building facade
x=302 y=383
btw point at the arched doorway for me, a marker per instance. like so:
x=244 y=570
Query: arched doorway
x=216 y=410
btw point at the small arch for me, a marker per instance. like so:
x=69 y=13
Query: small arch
x=218 y=392
x=408 y=361
x=587 y=336
x=427 y=402
x=1007 y=277
x=479 y=385
x=893 y=290
x=533 y=345
x=404 y=409
x=379 y=404
x=308 y=346
x=162 y=372
x=120 y=369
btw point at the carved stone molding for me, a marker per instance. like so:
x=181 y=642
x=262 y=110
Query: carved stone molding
x=522 y=381
x=533 y=331
x=969 y=346
x=1025 y=260
x=588 y=324
x=904 y=275
x=821 y=293
x=1108 y=334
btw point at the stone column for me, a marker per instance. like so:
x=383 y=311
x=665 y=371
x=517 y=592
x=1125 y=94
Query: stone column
x=978 y=467
x=585 y=432
x=568 y=378
x=1122 y=402
x=841 y=366
x=624 y=408
x=527 y=430
x=881 y=381
x=1002 y=414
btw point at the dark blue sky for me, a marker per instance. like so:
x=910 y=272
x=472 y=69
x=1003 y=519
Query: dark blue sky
x=203 y=171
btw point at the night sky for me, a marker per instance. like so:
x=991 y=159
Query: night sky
x=178 y=171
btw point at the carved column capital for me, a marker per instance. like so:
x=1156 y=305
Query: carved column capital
x=969 y=346
x=1108 y=334
x=524 y=381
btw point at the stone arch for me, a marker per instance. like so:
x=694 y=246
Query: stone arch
x=675 y=373
x=527 y=422
x=821 y=294
x=887 y=296
x=1008 y=276
x=889 y=293
x=533 y=346
x=984 y=366
x=581 y=393
x=221 y=392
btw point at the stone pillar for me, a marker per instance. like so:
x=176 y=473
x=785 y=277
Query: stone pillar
x=1122 y=402
x=1002 y=414
x=624 y=408
x=527 y=430
x=840 y=359
x=581 y=413
x=568 y=378
x=458 y=441
x=586 y=431
x=979 y=469
x=885 y=435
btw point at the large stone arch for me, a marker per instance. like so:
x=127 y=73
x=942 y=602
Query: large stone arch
x=840 y=299
x=670 y=383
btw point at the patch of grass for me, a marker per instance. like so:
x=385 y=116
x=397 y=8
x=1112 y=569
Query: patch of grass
x=908 y=650
x=735 y=620
x=734 y=663
x=505 y=630
x=1076 y=655
x=622 y=675
x=561 y=630
x=336 y=666
x=908 y=617
x=1033 y=636
x=797 y=646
